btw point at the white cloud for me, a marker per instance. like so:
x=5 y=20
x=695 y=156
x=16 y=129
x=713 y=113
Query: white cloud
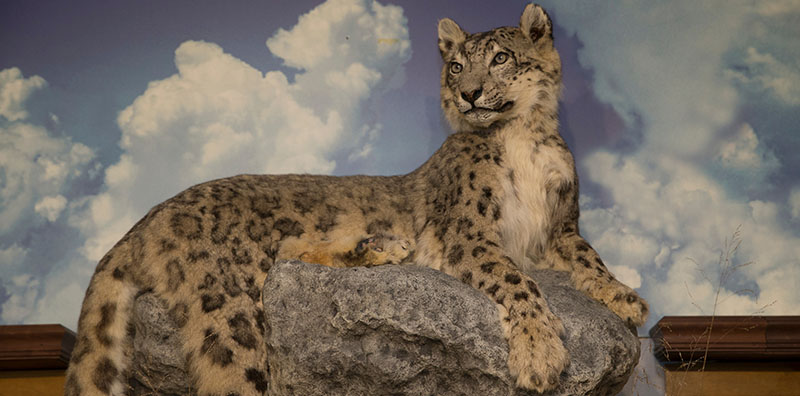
x=762 y=71
x=14 y=282
x=24 y=291
x=61 y=295
x=50 y=207
x=371 y=133
x=664 y=214
x=743 y=157
x=14 y=91
x=680 y=224
x=36 y=171
x=741 y=150
x=662 y=55
x=337 y=30
x=35 y=165
x=626 y=275
x=11 y=256
x=218 y=116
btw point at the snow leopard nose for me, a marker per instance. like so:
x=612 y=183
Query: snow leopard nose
x=471 y=97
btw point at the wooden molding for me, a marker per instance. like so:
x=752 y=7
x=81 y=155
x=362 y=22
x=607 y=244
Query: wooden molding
x=682 y=339
x=25 y=347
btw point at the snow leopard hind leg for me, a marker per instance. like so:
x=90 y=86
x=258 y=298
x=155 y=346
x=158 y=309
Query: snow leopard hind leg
x=211 y=294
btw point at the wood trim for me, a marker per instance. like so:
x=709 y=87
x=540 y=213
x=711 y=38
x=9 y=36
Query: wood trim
x=24 y=347
x=681 y=339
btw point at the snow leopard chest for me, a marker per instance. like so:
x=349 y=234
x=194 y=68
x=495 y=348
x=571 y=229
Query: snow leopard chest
x=534 y=173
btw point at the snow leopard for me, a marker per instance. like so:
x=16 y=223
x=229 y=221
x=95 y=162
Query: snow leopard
x=497 y=199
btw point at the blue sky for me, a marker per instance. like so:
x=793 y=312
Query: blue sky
x=683 y=117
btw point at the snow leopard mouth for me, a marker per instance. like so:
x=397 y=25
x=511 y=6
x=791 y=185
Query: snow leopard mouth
x=484 y=110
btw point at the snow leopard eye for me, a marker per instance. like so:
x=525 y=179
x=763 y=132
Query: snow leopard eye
x=455 y=67
x=500 y=58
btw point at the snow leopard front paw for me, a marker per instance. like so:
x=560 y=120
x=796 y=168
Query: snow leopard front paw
x=626 y=303
x=537 y=356
x=383 y=249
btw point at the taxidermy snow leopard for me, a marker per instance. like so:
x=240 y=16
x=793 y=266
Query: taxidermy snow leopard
x=498 y=198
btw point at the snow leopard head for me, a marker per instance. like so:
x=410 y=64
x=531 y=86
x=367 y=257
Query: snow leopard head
x=492 y=77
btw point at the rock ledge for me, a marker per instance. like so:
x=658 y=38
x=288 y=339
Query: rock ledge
x=394 y=330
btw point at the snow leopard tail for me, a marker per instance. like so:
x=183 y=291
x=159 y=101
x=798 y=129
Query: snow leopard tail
x=102 y=350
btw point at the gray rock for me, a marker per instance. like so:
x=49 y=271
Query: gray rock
x=158 y=366
x=386 y=330
x=392 y=330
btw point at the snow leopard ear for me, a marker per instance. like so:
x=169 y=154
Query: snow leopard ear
x=535 y=23
x=450 y=36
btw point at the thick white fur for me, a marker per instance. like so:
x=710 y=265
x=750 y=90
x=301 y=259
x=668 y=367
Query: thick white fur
x=526 y=212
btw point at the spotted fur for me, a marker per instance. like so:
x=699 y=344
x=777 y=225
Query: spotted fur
x=379 y=249
x=498 y=198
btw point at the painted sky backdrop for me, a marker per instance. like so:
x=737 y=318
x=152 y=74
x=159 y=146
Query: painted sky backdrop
x=684 y=118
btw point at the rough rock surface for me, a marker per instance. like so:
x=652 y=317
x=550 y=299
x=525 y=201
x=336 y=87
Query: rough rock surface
x=392 y=330
x=158 y=366
x=385 y=330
